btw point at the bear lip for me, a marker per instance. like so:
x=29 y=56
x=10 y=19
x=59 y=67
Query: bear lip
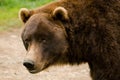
x=33 y=71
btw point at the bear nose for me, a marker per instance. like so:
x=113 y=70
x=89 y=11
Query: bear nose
x=29 y=64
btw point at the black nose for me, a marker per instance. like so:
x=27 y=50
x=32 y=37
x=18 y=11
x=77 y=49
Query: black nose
x=29 y=64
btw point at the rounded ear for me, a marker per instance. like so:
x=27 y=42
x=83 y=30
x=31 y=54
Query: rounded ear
x=24 y=14
x=60 y=13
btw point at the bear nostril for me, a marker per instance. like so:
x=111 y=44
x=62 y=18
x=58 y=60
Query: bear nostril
x=29 y=64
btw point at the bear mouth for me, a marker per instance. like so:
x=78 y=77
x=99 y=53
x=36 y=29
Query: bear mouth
x=33 y=71
x=36 y=70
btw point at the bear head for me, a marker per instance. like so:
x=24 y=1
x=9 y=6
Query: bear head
x=44 y=38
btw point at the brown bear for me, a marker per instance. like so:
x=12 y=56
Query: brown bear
x=74 y=32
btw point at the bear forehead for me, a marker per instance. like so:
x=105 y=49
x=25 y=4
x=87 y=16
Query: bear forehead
x=38 y=25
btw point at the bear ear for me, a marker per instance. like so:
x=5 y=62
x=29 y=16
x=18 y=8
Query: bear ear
x=24 y=14
x=60 y=13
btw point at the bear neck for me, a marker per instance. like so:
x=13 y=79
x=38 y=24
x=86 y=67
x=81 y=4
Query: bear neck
x=86 y=36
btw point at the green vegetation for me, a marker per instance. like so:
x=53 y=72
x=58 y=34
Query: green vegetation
x=9 y=11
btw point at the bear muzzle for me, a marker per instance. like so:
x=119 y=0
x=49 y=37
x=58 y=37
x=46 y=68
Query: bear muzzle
x=34 y=68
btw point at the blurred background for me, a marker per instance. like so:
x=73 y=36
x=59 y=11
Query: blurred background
x=12 y=51
x=9 y=11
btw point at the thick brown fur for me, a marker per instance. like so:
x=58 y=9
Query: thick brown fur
x=93 y=34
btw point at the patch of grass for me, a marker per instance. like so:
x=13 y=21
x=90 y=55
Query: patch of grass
x=9 y=11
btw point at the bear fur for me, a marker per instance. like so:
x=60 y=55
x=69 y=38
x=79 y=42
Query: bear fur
x=74 y=32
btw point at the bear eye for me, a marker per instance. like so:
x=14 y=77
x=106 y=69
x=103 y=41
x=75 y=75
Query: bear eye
x=27 y=40
x=26 y=43
x=42 y=40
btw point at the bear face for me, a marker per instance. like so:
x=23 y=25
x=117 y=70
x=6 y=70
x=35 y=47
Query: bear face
x=44 y=39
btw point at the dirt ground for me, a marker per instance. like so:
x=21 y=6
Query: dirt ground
x=12 y=54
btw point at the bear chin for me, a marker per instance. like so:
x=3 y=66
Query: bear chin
x=37 y=70
x=34 y=71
